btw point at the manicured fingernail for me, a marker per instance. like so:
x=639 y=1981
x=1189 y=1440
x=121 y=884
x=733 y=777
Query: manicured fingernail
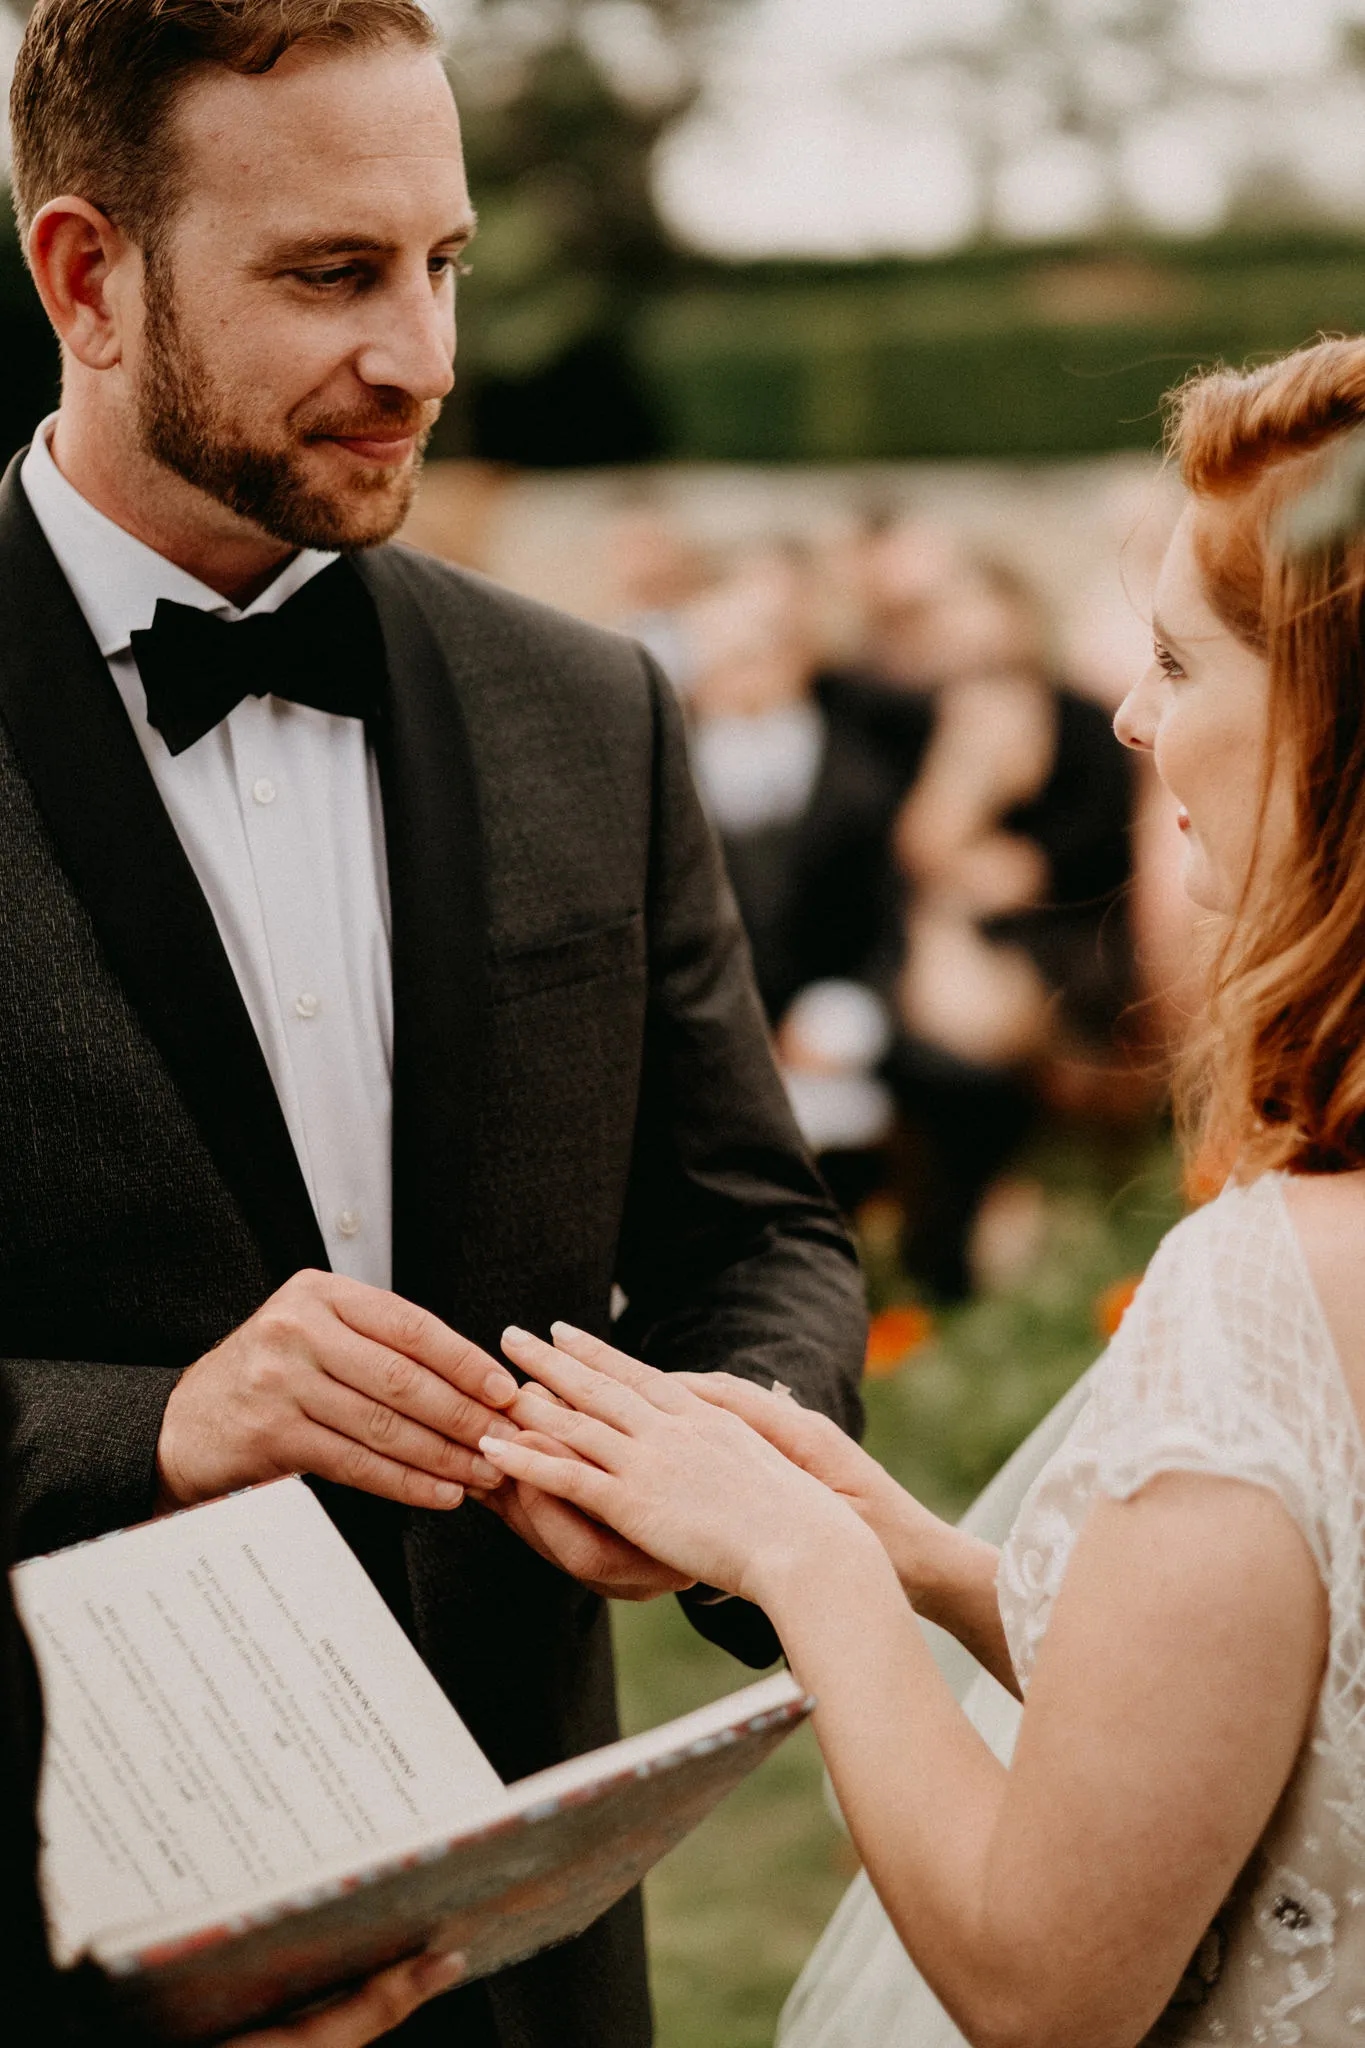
x=490 y=1445
x=514 y=1336
x=438 y=1973
x=558 y=1330
x=498 y=1385
x=489 y=1474
x=448 y=1495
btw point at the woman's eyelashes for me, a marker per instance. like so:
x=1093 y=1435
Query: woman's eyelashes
x=1166 y=661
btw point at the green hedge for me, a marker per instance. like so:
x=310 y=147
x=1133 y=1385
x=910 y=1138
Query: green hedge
x=997 y=353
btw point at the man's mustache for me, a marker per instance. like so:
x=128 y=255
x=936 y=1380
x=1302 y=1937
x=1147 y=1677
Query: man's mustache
x=407 y=417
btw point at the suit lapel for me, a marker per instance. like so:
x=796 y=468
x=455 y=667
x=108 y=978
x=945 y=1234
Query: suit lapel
x=440 y=939
x=119 y=848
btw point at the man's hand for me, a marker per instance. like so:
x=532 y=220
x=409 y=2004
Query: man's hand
x=341 y=1380
x=377 y=2008
x=600 y=1559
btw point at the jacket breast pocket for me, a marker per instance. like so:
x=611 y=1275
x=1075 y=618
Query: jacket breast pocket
x=612 y=952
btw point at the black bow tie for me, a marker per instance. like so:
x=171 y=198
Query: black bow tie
x=322 y=647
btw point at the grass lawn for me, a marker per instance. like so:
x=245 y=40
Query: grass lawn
x=734 y=1911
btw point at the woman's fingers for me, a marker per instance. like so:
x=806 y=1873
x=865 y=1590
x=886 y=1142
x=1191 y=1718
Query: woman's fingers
x=786 y=1425
x=808 y=1439
x=553 y=1447
x=582 y=1485
x=566 y=1433
x=765 y=1411
x=589 y=1390
x=658 y=1388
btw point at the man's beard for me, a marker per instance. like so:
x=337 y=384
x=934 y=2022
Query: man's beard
x=186 y=426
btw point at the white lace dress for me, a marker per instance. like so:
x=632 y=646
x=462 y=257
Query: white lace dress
x=1223 y=1364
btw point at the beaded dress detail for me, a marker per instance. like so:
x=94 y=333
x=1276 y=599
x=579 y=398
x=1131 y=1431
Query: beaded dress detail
x=1224 y=1364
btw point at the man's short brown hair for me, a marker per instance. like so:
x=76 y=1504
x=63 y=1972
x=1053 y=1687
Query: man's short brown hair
x=95 y=85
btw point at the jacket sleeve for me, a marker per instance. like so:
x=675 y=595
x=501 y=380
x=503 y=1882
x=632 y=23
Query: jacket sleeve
x=732 y=1255
x=83 y=1448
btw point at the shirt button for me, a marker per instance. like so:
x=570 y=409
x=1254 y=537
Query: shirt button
x=348 y=1223
x=307 y=1006
x=264 y=790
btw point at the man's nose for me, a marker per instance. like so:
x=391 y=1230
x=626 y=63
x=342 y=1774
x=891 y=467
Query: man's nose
x=412 y=345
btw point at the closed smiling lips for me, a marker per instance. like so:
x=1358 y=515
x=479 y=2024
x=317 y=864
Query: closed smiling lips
x=381 y=445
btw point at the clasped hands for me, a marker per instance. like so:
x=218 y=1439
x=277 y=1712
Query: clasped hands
x=735 y=1485
x=353 y=1384
x=633 y=1481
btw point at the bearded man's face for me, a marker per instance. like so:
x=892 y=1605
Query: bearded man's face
x=298 y=314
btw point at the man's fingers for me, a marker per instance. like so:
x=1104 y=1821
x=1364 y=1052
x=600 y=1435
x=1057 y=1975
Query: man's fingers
x=329 y=1455
x=388 y=1319
x=658 y=1388
x=339 y=1408
x=408 y=1390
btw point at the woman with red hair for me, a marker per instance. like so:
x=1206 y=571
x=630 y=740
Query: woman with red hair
x=1177 y=1850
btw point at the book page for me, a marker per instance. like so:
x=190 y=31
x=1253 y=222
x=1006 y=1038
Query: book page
x=231 y=1709
x=571 y=1841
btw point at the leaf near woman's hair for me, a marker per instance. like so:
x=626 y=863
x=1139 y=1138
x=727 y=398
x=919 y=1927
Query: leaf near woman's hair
x=1333 y=511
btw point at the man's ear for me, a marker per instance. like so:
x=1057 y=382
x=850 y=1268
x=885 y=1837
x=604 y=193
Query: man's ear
x=77 y=256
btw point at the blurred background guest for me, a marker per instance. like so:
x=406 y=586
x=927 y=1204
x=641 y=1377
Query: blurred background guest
x=652 y=574
x=1015 y=845
x=930 y=846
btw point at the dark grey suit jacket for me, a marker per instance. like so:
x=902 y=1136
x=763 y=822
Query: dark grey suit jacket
x=583 y=1097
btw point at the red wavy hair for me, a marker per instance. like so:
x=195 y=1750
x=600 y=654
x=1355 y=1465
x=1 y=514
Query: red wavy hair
x=1275 y=1074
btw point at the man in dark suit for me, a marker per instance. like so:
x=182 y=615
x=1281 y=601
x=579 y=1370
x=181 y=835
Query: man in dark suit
x=369 y=977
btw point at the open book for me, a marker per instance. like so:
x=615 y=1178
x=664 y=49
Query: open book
x=254 y=1791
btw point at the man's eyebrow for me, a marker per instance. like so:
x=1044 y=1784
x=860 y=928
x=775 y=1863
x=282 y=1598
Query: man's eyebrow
x=327 y=248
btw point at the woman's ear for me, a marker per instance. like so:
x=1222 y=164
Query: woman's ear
x=76 y=254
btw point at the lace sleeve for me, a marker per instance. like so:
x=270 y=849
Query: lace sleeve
x=1223 y=1365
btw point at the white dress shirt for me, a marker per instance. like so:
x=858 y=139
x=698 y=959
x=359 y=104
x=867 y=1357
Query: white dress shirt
x=278 y=810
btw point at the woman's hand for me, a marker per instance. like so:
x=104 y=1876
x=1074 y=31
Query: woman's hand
x=596 y=1556
x=377 y=2008
x=948 y=1577
x=918 y=1543
x=681 y=1478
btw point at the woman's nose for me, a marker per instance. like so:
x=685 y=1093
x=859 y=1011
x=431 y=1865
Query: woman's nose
x=1134 y=721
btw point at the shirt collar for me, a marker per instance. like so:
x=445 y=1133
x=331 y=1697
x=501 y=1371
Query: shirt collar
x=118 y=580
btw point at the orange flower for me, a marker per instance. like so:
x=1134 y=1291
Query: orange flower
x=1111 y=1305
x=894 y=1336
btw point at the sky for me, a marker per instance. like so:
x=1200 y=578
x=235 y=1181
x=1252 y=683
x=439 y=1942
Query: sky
x=858 y=128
